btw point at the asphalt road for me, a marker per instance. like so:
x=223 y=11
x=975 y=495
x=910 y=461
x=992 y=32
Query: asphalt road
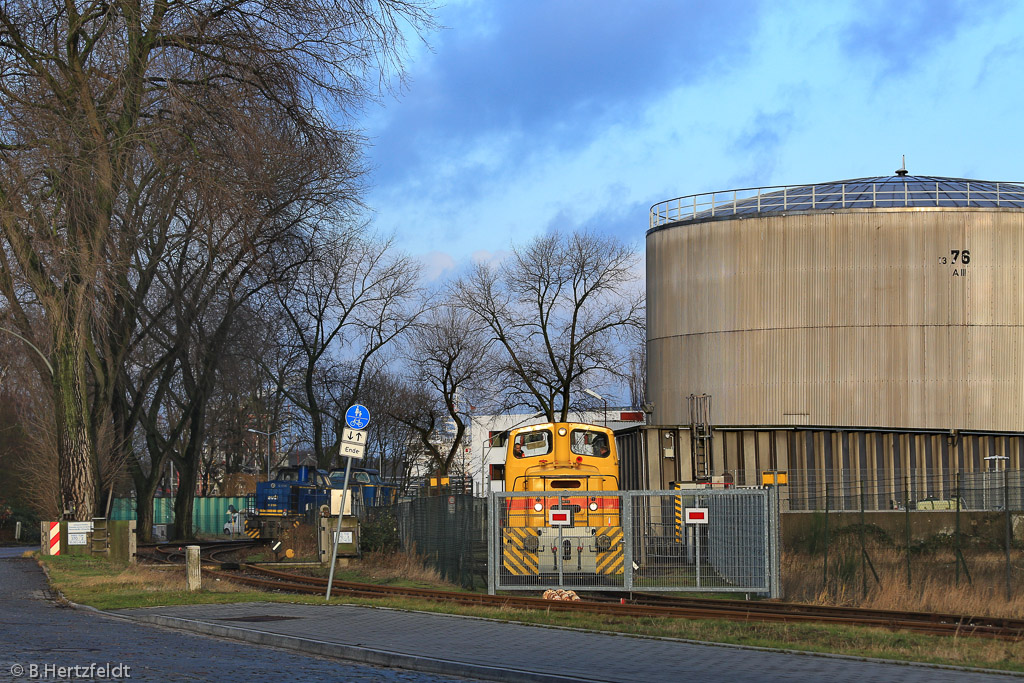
x=36 y=633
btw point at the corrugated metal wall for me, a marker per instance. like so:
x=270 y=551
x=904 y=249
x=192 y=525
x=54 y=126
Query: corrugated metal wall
x=883 y=465
x=841 y=319
x=209 y=514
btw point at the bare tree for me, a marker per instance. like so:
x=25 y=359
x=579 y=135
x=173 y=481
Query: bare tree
x=88 y=92
x=346 y=306
x=28 y=472
x=449 y=357
x=559 y=310
x=247 y=211
x=389 y=439
x=636 y=367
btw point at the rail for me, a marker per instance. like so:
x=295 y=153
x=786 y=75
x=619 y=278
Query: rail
x=893 y=192
x=651 y=607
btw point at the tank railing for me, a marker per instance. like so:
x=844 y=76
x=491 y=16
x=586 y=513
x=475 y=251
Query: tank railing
x=830 y=196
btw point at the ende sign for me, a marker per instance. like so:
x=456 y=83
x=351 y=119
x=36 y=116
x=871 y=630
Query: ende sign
x=353 y=443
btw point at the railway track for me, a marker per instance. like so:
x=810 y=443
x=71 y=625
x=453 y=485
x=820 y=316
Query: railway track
x=209 y=551
x=646 y=606
x=643 y=605
x=1014 y=627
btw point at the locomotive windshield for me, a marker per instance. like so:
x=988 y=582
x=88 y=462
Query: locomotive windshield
x=588 y=442
x=531 y=444
x=357 y=477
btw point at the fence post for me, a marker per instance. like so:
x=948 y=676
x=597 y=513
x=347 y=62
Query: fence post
x=776 y=538
x=626 y=510
x=492 y=542
x=1006 y=511
x=863 y=550
x=824 y=565
x=956 y=535
x=906 y=507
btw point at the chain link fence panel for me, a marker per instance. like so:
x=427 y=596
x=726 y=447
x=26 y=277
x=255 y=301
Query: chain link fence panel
x=449 y=533
x=698 y=540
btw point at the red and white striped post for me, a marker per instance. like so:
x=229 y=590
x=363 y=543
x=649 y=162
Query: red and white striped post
x=55 y=538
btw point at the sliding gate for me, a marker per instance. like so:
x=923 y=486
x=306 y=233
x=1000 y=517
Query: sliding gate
x=695 y=540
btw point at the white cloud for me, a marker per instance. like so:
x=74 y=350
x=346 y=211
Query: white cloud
x=792 y=104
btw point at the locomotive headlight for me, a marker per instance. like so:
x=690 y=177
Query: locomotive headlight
x=593 y=506
x=538 y=506
x=603 y=542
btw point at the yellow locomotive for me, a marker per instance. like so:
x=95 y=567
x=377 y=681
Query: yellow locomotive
x=566 y=526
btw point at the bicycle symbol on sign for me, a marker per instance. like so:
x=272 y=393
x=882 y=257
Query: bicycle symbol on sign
x=357 y=417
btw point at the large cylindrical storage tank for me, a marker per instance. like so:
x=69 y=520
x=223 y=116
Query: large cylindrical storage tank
x=887 y=304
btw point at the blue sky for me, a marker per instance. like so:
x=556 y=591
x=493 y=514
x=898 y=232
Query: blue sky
x=529 y=116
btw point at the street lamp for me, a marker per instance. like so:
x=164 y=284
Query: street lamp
x=599 y=397
x=268 y=435
x=1004 y=458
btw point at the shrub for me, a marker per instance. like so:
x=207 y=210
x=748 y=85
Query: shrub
x=380 y=534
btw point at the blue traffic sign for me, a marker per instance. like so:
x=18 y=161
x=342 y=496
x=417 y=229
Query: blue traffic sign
x=357 y=417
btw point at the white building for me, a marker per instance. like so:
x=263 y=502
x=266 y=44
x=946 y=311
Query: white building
x=489 y=433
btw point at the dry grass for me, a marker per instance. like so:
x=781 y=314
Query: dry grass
x=933 y=586
x=390 y=567
x=109 y=585
x=397 y=569
x=154 y=579
x=302 y=541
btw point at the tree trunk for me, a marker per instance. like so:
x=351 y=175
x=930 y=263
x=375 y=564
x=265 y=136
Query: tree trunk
x=76 y=461
x=184 y=500
x=145 y=491
x=188 y=468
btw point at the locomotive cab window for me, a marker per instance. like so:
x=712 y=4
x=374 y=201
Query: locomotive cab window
x=532 y=444
x=588 y=442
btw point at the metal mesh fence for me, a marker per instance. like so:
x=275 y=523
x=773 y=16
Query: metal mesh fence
x=449 y=533
x=873 y=537
x=810 y=490
x=696 y=540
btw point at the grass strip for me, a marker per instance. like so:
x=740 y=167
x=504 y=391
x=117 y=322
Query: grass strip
x=105 y=585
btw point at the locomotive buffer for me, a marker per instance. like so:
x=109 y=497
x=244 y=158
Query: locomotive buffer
x=353 y=445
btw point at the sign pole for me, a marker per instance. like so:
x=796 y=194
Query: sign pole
x=697 y=535
x=337 y=530
x=353 y=443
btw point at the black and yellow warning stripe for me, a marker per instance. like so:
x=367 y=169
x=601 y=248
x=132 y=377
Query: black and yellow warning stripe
x=253 y=529
x=610 y=561
x=515 y=558
x=679 y=516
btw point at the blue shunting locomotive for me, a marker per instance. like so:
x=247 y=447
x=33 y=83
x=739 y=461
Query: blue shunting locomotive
x=368 y=489
x=293 y=496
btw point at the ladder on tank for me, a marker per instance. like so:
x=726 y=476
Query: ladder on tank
x=700 y=435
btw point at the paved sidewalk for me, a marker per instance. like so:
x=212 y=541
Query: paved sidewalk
x=494 y=650
x=43 y=639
